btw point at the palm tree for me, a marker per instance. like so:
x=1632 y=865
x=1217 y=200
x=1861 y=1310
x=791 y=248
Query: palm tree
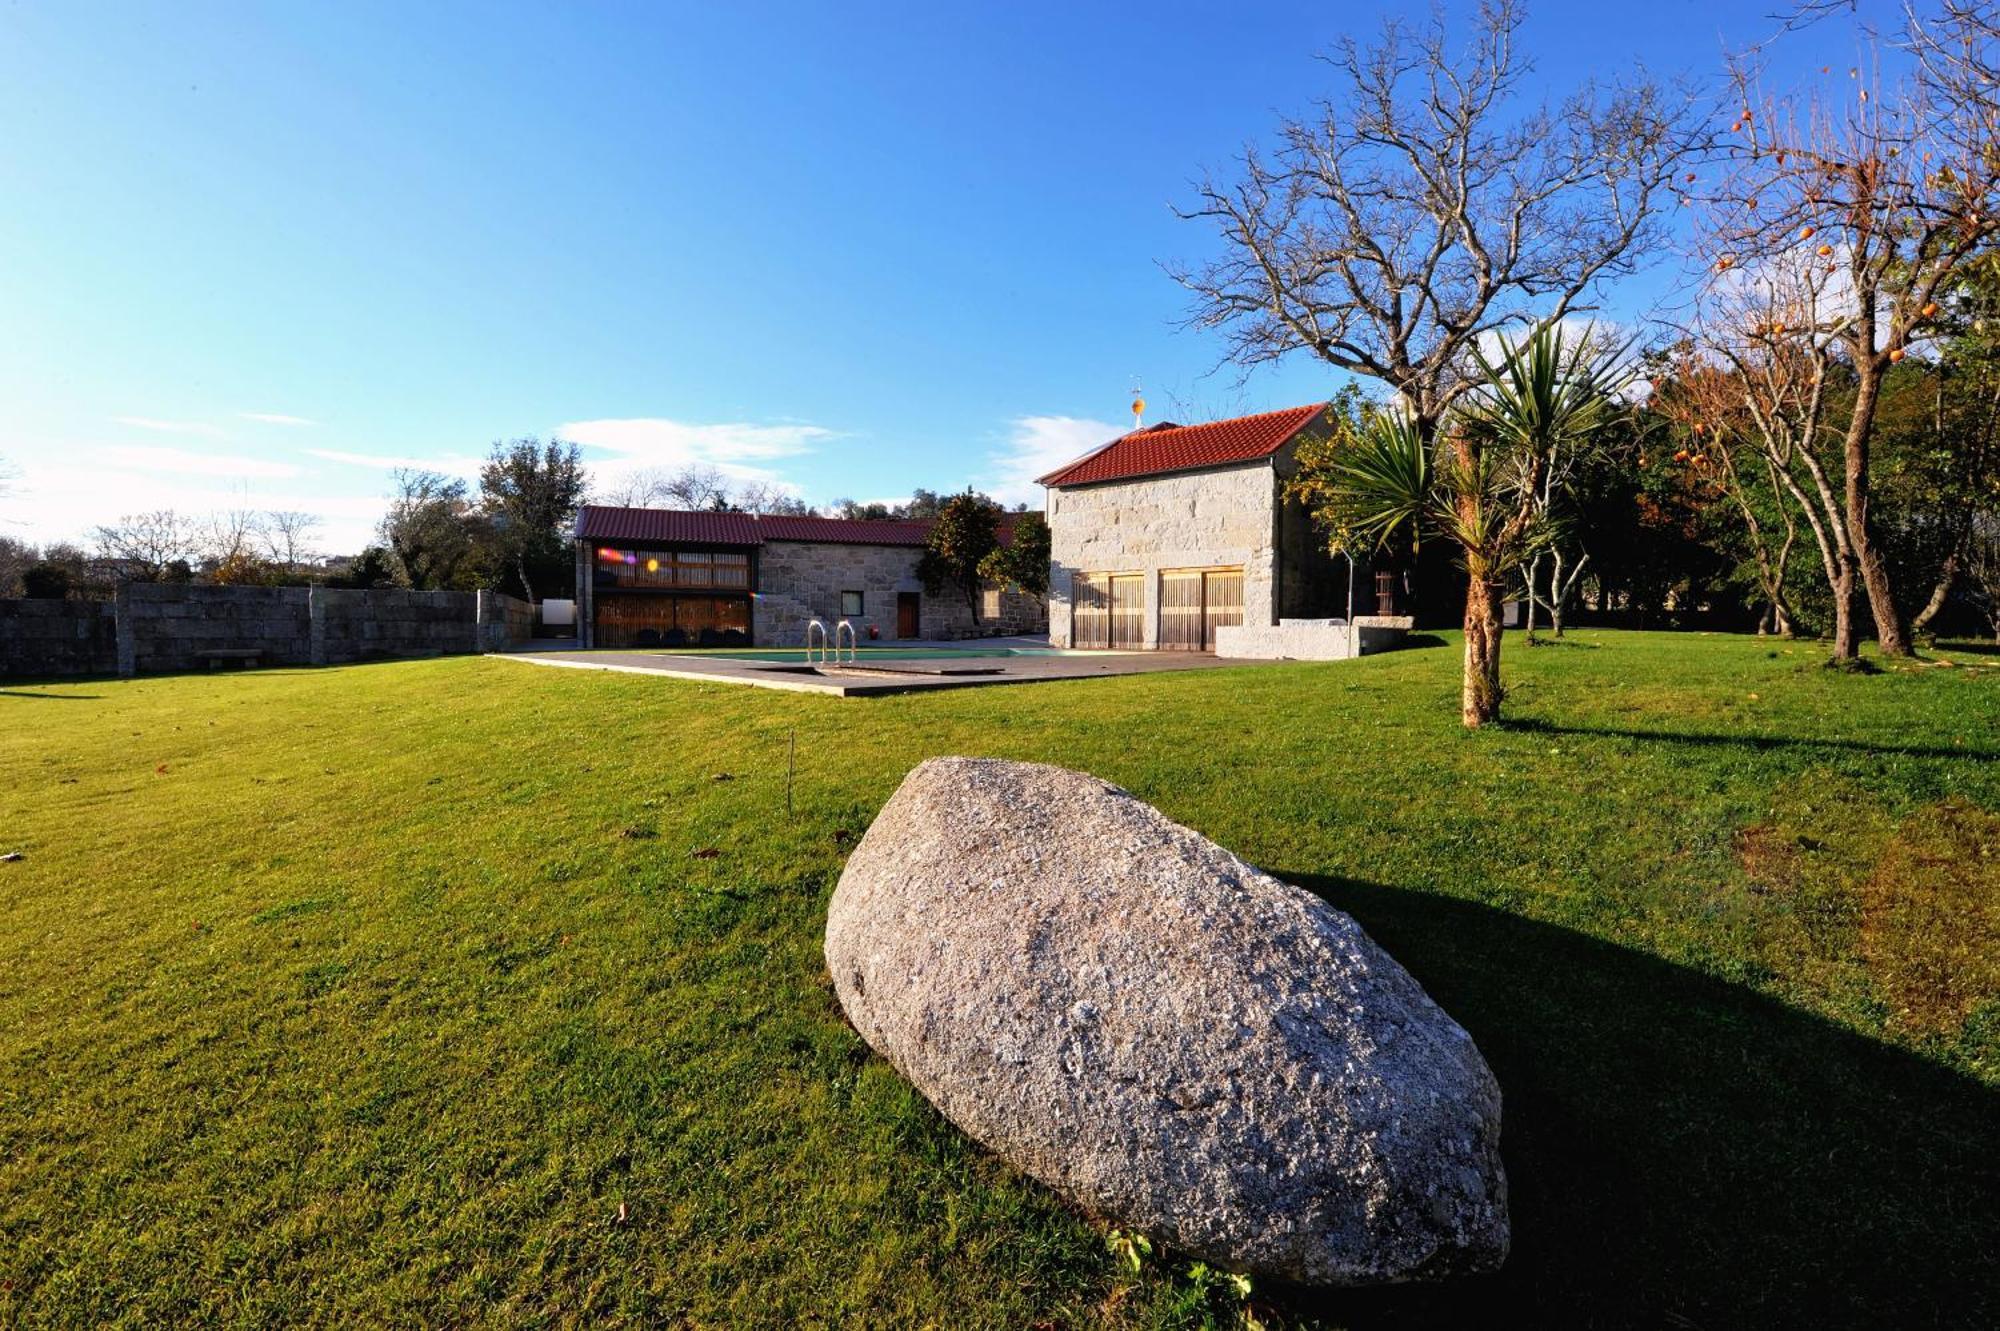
x=1478 y=479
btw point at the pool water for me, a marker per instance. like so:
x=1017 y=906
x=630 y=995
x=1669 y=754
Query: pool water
x=864 y=654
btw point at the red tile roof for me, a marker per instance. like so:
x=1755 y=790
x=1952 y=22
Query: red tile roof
x=595 y=522
x=1167 y=447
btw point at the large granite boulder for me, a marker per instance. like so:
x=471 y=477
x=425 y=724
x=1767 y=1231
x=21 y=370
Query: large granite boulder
x=1175 y=1041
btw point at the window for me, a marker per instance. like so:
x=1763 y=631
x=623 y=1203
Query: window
x=850 y=604
x=665 y=568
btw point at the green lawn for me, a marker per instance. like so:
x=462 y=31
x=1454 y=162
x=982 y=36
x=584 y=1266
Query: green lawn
x=469 y=992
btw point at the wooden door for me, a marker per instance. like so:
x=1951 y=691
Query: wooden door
x=1128 y=610
x=1181 y=612
x=909 y=614
x=1222 y=602
x=1089 y=610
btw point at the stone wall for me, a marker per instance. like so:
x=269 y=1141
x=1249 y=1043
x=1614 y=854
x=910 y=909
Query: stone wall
x=149 y=628
x=800 y=581
x=1203 y=519
x=1312 y=639
x=43 y=639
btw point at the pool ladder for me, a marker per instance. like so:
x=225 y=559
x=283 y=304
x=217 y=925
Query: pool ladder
x=829 y=646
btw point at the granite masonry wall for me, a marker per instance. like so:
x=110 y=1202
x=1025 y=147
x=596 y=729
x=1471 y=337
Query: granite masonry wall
x=1202 y=519
x=40 y=639
x=799 y=581
x=149 y=628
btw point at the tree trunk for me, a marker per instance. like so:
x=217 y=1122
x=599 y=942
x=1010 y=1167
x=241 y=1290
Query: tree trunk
x=1481 y=701
x=1939 y=594
x=1889 y=634
x=521 y=572
x=1846 y=642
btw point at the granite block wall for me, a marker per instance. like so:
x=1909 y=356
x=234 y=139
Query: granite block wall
x=149 y=628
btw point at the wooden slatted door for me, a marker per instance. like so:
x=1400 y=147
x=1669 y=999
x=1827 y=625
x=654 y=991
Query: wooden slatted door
x=1181 y=619
x=1128 y=610
x=1222 y=602
x=1090 y=610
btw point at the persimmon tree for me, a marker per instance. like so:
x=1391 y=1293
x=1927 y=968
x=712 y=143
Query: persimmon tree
x=1883 y=186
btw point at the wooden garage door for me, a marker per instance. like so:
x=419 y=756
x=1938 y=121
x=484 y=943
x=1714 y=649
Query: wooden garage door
x=1090 y=610
x=1128 y=610
x=1181 y=620
x=1194 y=603
x=1221 y=602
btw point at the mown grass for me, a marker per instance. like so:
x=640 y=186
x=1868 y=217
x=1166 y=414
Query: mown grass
x=410 y=994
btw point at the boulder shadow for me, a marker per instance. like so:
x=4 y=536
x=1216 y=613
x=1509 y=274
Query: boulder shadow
x=1683 y=1152
x=1752 y=743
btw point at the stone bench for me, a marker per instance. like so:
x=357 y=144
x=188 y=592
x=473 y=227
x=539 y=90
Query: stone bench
x=219 y=656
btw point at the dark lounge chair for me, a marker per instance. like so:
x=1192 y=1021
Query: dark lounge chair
x=646 y=638
x=710 y=638
x=674 y=638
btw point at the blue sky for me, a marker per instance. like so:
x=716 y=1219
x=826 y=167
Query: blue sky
x=253 y=256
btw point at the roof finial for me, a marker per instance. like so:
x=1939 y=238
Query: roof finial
x=1138 y=406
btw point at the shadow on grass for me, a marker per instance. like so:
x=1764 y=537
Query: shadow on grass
x=52 y=697
x=1754 y=743
x=1964 y=649
x=1683 y=1152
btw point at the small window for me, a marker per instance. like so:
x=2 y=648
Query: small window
x=850 y=604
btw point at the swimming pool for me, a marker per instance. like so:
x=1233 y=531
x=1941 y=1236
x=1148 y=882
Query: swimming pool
x=864 y=654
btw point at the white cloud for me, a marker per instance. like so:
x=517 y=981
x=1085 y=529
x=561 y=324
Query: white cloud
x=274 y=418
x=183 y=462
x=658 y=442
x=1037 y=445
x=169 y=427
x=740 y=451
x=61 y=494
x=453 y=464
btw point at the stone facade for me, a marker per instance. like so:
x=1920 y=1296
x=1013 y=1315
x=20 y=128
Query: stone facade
x=1222 y=517
x=800 y=581
x=149 y=628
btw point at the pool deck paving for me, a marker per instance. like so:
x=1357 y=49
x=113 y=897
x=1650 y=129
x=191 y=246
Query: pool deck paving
x=866 y=679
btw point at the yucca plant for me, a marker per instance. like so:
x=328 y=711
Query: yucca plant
x=1478 y=481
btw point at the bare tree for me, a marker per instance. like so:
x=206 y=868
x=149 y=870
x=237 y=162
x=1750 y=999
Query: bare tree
x=228 y=544
x=695 y=486
x=288 y=538
x=145 y=547
x=645 y=488
x=1423 y=207
x=766 y=499
x=1891 y=186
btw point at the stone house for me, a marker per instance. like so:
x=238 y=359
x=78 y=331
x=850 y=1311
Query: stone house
x=1171 y=532
x=648 y=577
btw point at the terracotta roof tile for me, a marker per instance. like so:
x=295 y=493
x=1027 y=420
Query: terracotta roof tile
x=1164 y=448
x=595 y=522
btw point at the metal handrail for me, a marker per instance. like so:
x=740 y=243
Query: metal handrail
x=814 y=626
x=853 y=642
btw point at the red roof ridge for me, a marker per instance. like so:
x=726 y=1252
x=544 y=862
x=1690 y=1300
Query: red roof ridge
x=1164 y=448
x=612 y=522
